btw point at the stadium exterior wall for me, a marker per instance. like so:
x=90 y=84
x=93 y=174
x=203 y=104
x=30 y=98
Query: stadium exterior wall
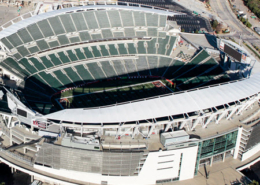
x=251 y=152
x=158 y=167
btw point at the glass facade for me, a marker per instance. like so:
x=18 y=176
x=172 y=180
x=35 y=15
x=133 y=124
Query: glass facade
x=213 y=146
x=219 y=144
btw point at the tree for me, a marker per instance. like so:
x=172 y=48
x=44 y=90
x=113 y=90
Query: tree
x=219 y=28
x=248 y=24
x=243 y=20
x=182 y=30
x=254 y=182
x=196 y=31
x=214 y=24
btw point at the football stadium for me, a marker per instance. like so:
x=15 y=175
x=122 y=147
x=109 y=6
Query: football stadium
x=115 y=93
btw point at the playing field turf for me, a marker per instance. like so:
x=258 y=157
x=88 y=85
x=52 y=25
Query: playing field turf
x=97 y=95
x=103 y=86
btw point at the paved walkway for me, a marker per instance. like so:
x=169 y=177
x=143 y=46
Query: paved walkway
x=9 y=13
x=219 y=173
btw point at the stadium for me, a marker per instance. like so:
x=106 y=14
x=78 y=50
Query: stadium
x=115 y=93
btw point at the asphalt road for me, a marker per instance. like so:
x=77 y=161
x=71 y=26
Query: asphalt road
x=220 y=7
x=225 y=13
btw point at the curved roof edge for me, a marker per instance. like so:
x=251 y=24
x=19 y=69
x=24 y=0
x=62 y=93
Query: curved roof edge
x=175 y=104
x=24 y=23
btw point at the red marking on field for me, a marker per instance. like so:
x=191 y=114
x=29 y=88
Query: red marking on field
x=65 y=102
x=161 y=86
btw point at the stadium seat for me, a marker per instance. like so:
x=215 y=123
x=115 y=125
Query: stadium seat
x=131 y=49
x=96 y=36
x=162 y=20
x=46 y=62
x=51 y=81
x=64 y=59
x=108 y=69
x=139 y=18
x=73 y=76
x=119 y=67
x=91 y=20
x=162 y=45
x=127 y=18
x=153 y=64
x=88 y=53
x=152 y=32
x=189 y=65
x=67 y=22
x=80 y=55
x=39 y=66
x=35 y=31
x=151 y=46
x=152 y=19
x=102 y=19
x=84 y=36
x=142 y=66
x=163 y=65
x=56 y=61
x=114 y=18
x=79 y=21
x=140 y=47
x=96 y=71
x=63 y=78
x=112 y=49
x=84 y=73
x=130 y=67
x=56 y=25
x=72 y=56
x=122 y=50
x=118 y=34
x=33 y=49
x=130 y=32
x=107 y=33
x=42 y=44
x=54 y=44
x=45 y=28
x=74 y=39
x=95 y=51
x=104 y=51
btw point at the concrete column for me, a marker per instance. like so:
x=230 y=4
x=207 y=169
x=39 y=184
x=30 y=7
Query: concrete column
x=198 y=120
x=135 y=132
x=11 y=137
x=182 y=124
x=248 y=104
x=224 y=156
x=118 y=132
x=32 y=178
x=232 y=112
x=211 y=161
x=239 y=135
x=209 y=119
x=9 y=121
x=151 y=130
x=221 y=116
x=168 y=125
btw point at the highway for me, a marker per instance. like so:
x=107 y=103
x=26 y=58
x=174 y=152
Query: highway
x=223 y=10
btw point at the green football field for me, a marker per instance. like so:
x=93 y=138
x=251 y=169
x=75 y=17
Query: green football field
x=112 y=92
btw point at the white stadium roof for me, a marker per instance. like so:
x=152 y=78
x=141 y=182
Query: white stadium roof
x=23 y=24
x=174 y=104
